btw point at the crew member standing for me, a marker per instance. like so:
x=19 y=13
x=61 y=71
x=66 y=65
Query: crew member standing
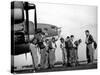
x=67 y=50
x=64 y=54
x=40 y=42
x=70 y=48
x=52 y=48
x=89 y=47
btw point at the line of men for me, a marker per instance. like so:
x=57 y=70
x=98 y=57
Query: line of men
x=47 y=47
x=69 y=49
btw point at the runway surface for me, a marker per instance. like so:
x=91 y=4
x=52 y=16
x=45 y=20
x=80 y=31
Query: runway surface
x=58 y=68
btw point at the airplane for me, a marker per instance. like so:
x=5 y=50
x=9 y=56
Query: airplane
x=22 y=28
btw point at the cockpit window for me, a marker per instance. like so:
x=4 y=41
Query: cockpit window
x=53 y=27
x=46 y=29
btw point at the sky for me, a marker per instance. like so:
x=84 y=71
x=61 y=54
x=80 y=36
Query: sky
x=73 y=19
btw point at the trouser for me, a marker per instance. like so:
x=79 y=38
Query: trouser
x=68 y=55
x=76 y=57
x=64 y=55
x=51 y=57
x=72 y=57
x=47 y=63
x=89 y=53
x=34 y=57
x=43 y=58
